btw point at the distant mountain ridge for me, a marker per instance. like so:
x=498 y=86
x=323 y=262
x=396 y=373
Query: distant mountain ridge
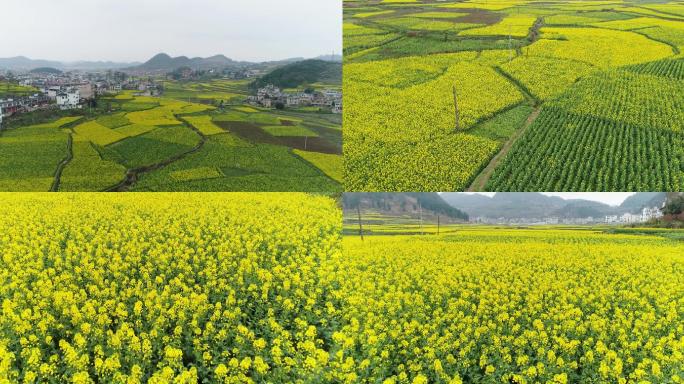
x=24 y=63
x=159 y=62
x=164 y=62
x=537 y=205
x=406 y=203
x=46 y=70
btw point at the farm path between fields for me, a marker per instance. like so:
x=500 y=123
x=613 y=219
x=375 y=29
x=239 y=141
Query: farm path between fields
x=481 y=180
x=133 y=174
x=63 y=163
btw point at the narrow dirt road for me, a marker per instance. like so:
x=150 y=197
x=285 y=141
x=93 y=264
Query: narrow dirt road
x=481 y=179
x=133 y=174
x=62 y=164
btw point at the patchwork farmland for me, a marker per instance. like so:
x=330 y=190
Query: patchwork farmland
x=197 y=136
x=514 y=95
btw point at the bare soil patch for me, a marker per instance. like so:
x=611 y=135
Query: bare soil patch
x=254 y=133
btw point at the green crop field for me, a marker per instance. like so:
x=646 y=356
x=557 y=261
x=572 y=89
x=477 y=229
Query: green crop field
x=514 y=95
x=195 y=136
x=9 y=89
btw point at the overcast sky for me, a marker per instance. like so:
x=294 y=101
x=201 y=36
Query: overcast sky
x=135 y=30
x=612 y=198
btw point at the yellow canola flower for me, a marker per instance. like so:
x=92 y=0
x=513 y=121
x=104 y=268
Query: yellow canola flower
x=513 y=305
x=164 y=287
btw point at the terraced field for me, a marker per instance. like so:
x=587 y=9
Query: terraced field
x=181 y=141
x=438 y=103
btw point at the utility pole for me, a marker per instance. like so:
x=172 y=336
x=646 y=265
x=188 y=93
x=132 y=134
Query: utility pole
x=438 y=224
x=458 y=117
x=420 y=213
x=358 y=210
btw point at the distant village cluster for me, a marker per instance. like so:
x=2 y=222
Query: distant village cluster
x=644 y=216
x=70 y=90
x=270 y=96
x=73 y=90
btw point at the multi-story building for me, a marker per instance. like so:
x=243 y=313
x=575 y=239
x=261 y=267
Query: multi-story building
x=85 y=90
x=612 y=219
x=650 y=213
x=52 y=92
x=69 y=100
x=10 y=107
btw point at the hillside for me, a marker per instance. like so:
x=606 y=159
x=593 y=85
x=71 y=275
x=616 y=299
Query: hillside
x=505 y=204
x=164 y=62
x=411 y=203
x=636 y=202
x=46 y=70
x=302 y=73
x=22 y=62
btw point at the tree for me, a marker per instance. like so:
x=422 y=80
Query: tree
x=674 y=205
x=279 y=105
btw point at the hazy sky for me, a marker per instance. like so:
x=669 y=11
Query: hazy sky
x=135 y=30
x=612 y=198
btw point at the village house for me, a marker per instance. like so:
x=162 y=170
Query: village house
x=651 y=213
x=269 y=95
x=10 y=107
x=52 y=92
x=612 y=219
x=300 y=98
x=34 y=102
x=337 y=107
x=69 y=99
x=85 y=90
x=630 y=218
x=148 y=88
x=269 y=92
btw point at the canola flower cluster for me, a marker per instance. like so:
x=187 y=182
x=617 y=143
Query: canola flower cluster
x=597 y=46
x=512 y=306
x=400 y=120
x=164 y=288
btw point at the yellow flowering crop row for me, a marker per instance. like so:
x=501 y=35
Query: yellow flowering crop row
x=164 y=288
x=512 y=306
x=97 y=133
x=598 y=46
x=546 y=77
x=165 y=114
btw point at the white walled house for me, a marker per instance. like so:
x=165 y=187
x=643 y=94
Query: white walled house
x=612 y=219
x=69 y=99
x=650 y=213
